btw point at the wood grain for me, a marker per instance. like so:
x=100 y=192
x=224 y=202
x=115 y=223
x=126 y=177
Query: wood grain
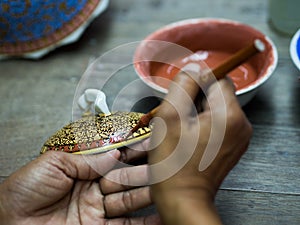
x=257 y=208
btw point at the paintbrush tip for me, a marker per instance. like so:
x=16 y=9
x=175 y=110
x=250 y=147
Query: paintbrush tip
x=259 y=45
x=143 y=122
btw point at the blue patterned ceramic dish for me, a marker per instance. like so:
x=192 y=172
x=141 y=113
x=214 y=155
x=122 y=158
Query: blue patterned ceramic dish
x=32 y=28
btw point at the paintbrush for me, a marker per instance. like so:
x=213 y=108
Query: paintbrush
x=219 y=72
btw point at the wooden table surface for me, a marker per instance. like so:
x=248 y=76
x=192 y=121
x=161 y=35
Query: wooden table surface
x=37 y=99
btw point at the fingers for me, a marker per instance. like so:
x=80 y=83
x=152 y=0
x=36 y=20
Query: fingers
x=147 y=220
x=222 y=102
x=135 y=151
x=85 y=167
x=124 y=202
x=227 y=123
x=221 y=93
x=121 y=179
x=187 y=80
x=182 y=91
x=186 y=86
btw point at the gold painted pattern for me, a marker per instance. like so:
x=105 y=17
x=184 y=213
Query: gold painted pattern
x=92 y=134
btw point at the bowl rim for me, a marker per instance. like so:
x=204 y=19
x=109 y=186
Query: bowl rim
x=294 y=51
x=269 y=72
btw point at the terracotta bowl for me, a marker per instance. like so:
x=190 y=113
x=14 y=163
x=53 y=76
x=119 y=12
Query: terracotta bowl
x=207 y=41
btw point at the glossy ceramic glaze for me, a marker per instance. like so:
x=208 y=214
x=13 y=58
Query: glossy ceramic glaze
x=97 y=134
x=295 y=49
x=31 y=29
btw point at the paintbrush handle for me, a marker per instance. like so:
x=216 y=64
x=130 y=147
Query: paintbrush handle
x=144 y=121
x=238 y=58
x=229 y=64
x=153 y=112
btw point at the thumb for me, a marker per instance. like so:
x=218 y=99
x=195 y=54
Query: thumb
x=84 y=167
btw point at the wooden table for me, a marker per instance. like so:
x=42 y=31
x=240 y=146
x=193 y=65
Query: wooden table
x=37 y=99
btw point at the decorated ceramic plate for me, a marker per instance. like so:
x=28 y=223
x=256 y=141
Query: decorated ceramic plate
x=32 y=28
x=295 y=49
x=98 y=133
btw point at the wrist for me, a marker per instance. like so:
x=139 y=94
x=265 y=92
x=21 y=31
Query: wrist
x=186 y=201
x=176 y=198
x=192 y=209
x=186 y=187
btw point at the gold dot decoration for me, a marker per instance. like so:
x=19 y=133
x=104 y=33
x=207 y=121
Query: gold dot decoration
x=96 y=134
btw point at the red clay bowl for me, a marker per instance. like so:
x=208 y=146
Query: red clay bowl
x=164 y=52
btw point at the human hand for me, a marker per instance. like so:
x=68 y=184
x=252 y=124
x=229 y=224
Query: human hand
x=207 y=145
x=61 y=188
x=116 y=183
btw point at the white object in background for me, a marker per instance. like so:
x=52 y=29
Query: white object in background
x=94 y=100
x=100 y=104
x=284 y=15
x=83 y=104
x=91 y=95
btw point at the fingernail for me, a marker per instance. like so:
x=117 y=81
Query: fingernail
x=115 y=153
x=123 y=157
